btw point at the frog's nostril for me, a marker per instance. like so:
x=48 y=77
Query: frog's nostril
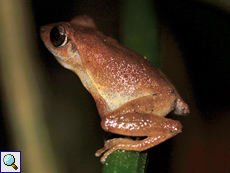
x=43 y=29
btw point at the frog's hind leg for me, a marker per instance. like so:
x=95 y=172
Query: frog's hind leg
x=157 y=129
x=129 y=144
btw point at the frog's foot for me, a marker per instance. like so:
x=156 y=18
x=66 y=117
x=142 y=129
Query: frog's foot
x=112 y=142
x=129 y=144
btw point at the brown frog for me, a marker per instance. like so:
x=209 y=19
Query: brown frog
x=132 y=96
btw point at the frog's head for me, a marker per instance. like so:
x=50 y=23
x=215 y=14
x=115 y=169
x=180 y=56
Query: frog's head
x=66 y=40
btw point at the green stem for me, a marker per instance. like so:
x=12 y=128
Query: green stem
x=125 y=162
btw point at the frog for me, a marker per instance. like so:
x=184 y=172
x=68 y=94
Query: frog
x=131 y=95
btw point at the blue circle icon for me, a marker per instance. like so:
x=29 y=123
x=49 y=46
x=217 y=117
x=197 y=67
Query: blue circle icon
x=9 y=159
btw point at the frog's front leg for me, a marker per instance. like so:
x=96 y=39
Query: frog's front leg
x=157 y=129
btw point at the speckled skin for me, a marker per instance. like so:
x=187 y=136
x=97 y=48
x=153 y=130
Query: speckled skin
x=132 y=96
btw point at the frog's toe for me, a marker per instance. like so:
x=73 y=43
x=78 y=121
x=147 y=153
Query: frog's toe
x=99 y=152
x=108 y=145
x=107 y=153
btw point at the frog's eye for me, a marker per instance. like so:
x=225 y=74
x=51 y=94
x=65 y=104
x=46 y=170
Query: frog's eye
x=58 y=36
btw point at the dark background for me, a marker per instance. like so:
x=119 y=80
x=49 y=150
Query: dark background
x=192 y=33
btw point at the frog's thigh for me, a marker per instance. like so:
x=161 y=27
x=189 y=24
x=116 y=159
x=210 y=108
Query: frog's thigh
x=140 y=124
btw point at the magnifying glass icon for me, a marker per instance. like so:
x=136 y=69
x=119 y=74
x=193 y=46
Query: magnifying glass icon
x=9 y=160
